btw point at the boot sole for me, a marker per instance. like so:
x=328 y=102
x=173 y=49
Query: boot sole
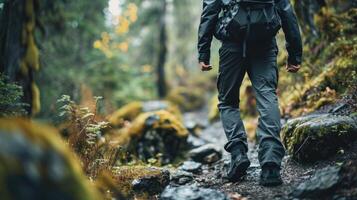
x=241 y=171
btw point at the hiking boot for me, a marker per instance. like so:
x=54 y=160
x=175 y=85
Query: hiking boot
x=239 y=165
x=270 y=175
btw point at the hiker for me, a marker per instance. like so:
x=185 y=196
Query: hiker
x=247 y=30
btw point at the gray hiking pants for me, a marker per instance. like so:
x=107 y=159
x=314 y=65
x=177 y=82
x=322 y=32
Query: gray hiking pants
x=262 y=70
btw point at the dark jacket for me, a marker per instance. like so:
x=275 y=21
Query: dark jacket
x=209 y=18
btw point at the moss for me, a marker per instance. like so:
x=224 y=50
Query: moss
x=31 y=57
x=130 y=111
x=127 y=112
x=165 y=121
x=328 y=70
x=36 y=104
x=30 y=60
x=187 y=99
x=108 y=186
x=318 y=137
x=32 y=54
x=62 y=172
x=213 y=114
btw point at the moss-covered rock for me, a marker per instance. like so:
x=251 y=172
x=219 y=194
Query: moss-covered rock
x=140 y=180
x=152 y=134
x=127 y=112
x=130 y=111
x=36 y=164
x=188 y=99
x=317 y=137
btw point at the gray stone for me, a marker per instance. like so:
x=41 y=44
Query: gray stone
x=330 y=183
x=191 y=166
x=181 y=177
x=192 y=193
x=207 y=154
x=149 y=106
x=322 y=183
x=195 y=142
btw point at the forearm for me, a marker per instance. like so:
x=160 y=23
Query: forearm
x=209 y=17
x=292 y=32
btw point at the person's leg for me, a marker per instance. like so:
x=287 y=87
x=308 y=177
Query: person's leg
x=230 y=77
x=263 y=73
x=231 y=74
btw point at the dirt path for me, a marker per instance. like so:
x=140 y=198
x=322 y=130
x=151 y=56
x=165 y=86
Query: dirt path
x=293 y=173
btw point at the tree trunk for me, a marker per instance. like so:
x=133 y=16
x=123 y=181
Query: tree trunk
x=16 y=30
x=161 y=81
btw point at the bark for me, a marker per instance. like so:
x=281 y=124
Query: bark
x=12 y=48
x=162 y=53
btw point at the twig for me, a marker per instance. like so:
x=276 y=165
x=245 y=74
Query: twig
x=302 y=145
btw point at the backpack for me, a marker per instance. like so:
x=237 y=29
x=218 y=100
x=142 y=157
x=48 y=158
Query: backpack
x=248 y=21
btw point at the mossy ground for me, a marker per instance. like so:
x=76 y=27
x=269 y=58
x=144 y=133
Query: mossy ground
x=329 y=67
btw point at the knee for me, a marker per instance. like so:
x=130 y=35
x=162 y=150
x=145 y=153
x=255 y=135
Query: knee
x=228 y=103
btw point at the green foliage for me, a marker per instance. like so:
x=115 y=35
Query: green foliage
x=10 y=96
x=84 y=133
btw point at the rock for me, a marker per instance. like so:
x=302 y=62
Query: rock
x=36 y=164
x=191 y=166
x=207 y=154
x=187 y=98
x=151 y=184
x=195 y=142
x=152 y=106
x=195 y=122
x=131 y=110
x=193 y=127
x=153 y=135
x=317 y=137
x=181 y=177
x=330 y=183
x=133 y=180
x=323 y=182
x=192 y=193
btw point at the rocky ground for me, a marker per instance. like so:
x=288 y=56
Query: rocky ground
x=196 y=176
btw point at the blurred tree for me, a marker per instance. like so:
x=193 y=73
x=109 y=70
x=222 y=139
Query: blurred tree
x=67 y=51
x=19 y=56
x=162 y=50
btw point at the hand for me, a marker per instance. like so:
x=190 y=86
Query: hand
x=292 y=68
x=205 y=67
